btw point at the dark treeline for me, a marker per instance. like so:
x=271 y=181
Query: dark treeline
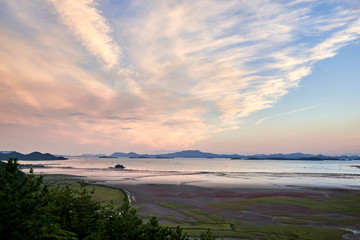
x=29 y=209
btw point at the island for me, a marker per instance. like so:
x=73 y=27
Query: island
x=120 y=166
x=34 y=156
x=199 y=154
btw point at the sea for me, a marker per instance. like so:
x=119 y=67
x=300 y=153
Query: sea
x=213 y=172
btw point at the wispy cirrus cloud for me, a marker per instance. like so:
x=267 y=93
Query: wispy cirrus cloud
x=287 y=113
x=234 y=58
x=175 y=71
x=89 y=25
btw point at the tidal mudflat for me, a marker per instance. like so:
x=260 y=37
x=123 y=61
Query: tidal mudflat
x=235 y=199
x=251 y=212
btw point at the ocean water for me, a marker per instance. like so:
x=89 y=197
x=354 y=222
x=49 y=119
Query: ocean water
x=210 y=172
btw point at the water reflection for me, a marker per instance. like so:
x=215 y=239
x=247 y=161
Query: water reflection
x=210 y=172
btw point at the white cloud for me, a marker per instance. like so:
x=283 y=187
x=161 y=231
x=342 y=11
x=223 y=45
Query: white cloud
x=90 y=27
x=238 y=57
x=185 y=69
x=287 y=113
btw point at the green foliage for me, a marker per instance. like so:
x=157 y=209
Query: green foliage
x=290 y=226
x=172 y=205
x=105 y=195
x=29 y=210
x=207 y=235
x=21 y=202
x=153 y=230
x=123 y=224
x=54 y=231
x=74 y=211
x=178 y=234
x=343 y=204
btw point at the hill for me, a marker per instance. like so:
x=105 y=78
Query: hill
x=37 y=156
x=199 y=154
x=34 y=156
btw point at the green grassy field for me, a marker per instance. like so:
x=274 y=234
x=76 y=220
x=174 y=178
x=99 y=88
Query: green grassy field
x=348 y=204
x=223 y=227
x=60 y=179
x=103 y=194
x=28 y=166
x=317 y=224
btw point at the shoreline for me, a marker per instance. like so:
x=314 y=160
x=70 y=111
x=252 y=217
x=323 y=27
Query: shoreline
x=149 y=191
x=243 y=204
x=147 y=195
x=245 y=211
x=172 y=204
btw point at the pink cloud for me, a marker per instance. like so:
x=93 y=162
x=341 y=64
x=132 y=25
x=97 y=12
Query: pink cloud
x=173 y=76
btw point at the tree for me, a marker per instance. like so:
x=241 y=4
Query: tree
x=207 y=236
x=74 y=211
x=21 y=202
x=29 y=210
x=152 y=230
x=178 y=234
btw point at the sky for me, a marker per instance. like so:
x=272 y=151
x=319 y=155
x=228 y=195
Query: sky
x=246 y=77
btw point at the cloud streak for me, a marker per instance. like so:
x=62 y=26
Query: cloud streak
x=90 y=27
x=286 y=113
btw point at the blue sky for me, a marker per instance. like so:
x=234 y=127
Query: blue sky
x=227 y=77
x=323 y=109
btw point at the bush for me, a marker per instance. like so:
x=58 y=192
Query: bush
x=22 y=198
x=28 y=210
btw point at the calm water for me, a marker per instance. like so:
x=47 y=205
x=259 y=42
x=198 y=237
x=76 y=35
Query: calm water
x=211 y=172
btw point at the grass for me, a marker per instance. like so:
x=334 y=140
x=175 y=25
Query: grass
x=104 y=194
x=285 y=225
x=172 y=205
x=288 y=220
x=25 y=166
x=341 y=204
x=60 y=179
x=202 y=227
x=223 y=227
x=289 y=232
x=200 y=216
x=273 y=232
x=308 y=218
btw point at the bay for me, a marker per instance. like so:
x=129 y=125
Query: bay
x=210 y=172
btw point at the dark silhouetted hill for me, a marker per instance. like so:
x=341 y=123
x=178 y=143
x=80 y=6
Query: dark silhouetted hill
x=34 y=156
x=199 y=154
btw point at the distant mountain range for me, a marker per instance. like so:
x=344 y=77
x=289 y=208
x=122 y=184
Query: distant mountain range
x=4 y=155
x=199 y=154
x=35 y=156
